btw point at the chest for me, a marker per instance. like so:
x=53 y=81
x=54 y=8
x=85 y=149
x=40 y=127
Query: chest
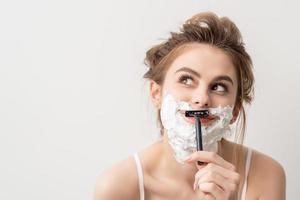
x=160 y=189
x=166 y=190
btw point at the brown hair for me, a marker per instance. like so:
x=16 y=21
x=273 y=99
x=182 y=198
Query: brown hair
x=206 y=28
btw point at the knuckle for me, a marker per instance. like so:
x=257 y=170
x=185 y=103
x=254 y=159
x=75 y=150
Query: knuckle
x=210 y=176
x=212 y=186
x=213 y=155
x=210 y=166
x=233 y=167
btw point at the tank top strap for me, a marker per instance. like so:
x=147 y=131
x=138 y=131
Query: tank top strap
x=140 y=176
x=247 y=167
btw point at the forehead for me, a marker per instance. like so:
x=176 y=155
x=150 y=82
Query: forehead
x=207 y=60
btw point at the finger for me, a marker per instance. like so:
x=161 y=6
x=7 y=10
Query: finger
x=204 y=195
x=221 y=175
x=209 y=157
x=214 y=177
x=212 y=189
x=233 y=176
x=225 y=184
x=198 y=176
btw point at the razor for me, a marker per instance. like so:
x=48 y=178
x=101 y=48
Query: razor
x=197 y=114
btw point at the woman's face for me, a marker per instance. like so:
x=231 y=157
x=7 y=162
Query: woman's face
x=202 y=75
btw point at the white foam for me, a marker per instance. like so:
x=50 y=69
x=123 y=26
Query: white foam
x=182 y=135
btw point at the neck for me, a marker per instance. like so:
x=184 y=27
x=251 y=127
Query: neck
x=183 y=172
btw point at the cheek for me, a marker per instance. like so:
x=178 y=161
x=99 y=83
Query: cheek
x=229 y=98
x=179 y=93
x=170 y=86
x=222 y=100
x=174 y=92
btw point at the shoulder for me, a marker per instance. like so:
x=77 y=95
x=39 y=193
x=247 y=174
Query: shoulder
x=267 y=177
x=118 y=182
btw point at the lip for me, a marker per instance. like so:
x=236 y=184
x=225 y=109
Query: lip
x=204 y=121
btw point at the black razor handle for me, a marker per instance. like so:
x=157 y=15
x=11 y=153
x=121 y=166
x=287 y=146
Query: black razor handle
x=198 y=136
x=197 y=114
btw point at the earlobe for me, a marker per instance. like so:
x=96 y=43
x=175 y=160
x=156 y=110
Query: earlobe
x=155 y=93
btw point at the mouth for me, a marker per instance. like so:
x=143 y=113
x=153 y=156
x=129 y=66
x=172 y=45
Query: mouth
x=204 y=121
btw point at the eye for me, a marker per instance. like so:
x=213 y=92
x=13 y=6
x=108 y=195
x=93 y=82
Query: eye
x=186 y=79
x=219 y=87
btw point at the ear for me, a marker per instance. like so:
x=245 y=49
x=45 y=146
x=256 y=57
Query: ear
x=235 y=113
x=155 y=94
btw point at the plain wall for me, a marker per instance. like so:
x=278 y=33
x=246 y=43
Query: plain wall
x=73 y=101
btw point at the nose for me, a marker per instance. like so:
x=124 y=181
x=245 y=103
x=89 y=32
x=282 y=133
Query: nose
x=201 y=99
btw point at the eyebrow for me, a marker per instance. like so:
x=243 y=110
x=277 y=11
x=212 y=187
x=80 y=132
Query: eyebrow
x=224 y=78
x=219 y=78
x=186 y=69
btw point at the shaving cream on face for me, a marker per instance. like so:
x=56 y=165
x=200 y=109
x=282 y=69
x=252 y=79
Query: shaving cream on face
x=182 y=134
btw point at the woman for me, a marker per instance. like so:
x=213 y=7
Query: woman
x=204 y=66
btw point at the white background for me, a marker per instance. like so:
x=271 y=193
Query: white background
x=73 y=101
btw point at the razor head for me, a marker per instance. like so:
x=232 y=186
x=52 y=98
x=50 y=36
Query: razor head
x=199 y=113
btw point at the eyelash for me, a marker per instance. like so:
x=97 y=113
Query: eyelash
x=186 y=76
x=222 y=85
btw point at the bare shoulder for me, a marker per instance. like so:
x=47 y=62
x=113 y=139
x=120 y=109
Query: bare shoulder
x=118 y=182
x=266 y=177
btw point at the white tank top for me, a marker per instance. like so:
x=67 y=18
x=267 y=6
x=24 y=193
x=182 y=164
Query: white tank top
x=141 y=176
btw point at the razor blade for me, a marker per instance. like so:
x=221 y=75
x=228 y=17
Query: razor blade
x=200 y=113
